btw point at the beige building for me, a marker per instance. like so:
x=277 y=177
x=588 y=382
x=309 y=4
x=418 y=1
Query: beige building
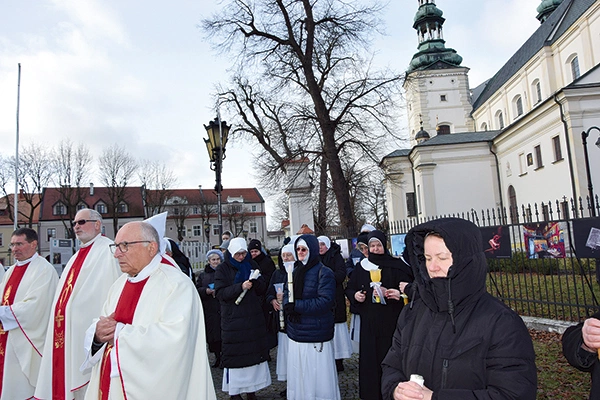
x=517 y=138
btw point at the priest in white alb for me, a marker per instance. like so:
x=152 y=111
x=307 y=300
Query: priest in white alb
x=149 y=342
x=27 y=289
x=81 y=291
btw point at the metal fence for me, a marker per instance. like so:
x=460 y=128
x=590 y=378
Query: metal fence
x=550 y=281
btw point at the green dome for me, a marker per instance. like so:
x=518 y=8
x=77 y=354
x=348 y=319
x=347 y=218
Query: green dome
x=546 y=8
x=431 y=52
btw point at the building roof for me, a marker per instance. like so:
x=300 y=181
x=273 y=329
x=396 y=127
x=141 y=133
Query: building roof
x=305 y=230
x=24 y=208
x=550 y=31
x=460 y=138
x=250 y=195
x=399 y=153
x=135 y=204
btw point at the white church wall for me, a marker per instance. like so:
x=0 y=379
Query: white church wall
x=456 y=179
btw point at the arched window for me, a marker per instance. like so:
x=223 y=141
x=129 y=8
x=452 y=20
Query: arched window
x=536 y=88
x=574 y=63
x=443 y=129
x=518 y=106
x=500 y=119
x=484 y=126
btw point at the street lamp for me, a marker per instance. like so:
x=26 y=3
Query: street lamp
x=584 y=136
x=215 y=145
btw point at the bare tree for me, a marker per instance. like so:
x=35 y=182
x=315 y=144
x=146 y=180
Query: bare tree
x=311 y=53
x=72 y=167
x=7 y=171
x=236 y=217
x=158 y=181
x=35 y=172
x=117 y=168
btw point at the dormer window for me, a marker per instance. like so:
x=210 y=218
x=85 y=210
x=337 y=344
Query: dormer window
x=59 y=209
x=101 y=208
x=122 y=208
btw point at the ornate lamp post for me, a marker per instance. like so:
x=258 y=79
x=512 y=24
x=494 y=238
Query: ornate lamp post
x=215 y=145
x=584 y=136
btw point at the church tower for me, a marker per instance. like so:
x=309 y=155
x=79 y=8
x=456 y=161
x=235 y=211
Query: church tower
x=436 y=85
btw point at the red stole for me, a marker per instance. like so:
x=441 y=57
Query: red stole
x=58 y=351
x=123 y=313
x=8 y=297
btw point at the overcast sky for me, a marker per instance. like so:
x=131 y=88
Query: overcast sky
x=140 y=73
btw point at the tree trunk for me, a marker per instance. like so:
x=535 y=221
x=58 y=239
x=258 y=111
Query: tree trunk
x=321 y=222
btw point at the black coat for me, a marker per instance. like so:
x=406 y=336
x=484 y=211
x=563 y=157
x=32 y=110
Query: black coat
x=377 y=321
x=243 y=331
x=465 y=343
x=210 y=305
x=581 y=359
x=267 y=267
x=334 y=260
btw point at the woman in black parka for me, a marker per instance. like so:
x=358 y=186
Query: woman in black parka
x=465 y=343
x=377 y=320
x=243 y=331
x=210 y=304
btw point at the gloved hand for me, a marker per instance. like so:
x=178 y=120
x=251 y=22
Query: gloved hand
x=290 y=311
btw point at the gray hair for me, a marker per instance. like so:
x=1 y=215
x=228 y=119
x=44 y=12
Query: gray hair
x=95 y=215
x=148 y=232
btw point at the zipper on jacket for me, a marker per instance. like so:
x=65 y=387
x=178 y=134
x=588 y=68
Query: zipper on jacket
x=444 y=372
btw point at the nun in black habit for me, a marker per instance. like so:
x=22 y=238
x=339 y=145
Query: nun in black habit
x=374 y=288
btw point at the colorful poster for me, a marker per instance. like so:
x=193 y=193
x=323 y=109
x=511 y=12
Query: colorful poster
x=544 y=240
x=586 y=234
x=398 y=244
x=496 y=241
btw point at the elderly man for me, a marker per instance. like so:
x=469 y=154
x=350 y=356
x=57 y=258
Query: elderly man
x=80 y=294
x=149 y=342
x=27 y=290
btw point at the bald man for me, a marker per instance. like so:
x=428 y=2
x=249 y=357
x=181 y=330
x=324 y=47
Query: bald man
x=149 y=342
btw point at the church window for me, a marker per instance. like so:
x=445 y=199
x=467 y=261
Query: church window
x=513 y=207
x=443 y=129
x=518 y=106
x=575 y=68
x=484 y=126
x=411 y=205
x=443 y=97
x=557 y=149
x=538 y=157
x=538 y=91
x=500 y=120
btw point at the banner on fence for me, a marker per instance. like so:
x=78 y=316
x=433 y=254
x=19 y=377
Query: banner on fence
x=398 y=244
x=544 y=240
x=587 y=237
x=496 y=241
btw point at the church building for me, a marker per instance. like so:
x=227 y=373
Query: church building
x=516 y=139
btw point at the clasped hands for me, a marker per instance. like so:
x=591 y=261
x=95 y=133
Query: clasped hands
x=105 y=329
x=393 y=294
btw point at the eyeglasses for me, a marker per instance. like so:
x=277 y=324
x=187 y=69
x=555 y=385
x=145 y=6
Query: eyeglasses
x=301 y=249
x=17 y=244
x=83 y=221
x=124 y=246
